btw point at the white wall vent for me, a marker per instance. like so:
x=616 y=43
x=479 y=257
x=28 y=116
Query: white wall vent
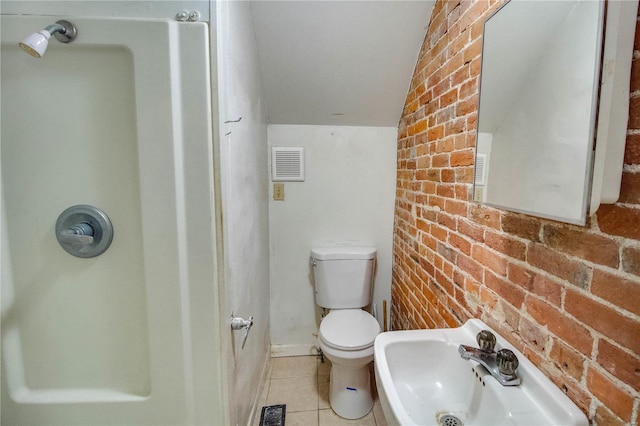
x=481 y=169
x=287 y=164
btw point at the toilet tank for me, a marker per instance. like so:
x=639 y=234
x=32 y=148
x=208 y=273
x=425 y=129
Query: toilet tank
x=343 y=276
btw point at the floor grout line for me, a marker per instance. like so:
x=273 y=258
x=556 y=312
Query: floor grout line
x=370 y=419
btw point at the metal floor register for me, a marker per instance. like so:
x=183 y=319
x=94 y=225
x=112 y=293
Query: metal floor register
x=273 y=415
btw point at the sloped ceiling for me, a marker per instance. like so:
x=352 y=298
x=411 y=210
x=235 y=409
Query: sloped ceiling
x=338 y=62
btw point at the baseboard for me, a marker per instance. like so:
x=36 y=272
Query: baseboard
x=294 y=350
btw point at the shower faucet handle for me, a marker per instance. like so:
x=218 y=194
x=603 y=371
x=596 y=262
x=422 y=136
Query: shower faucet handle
x=72 y=238
x=80 y=234
x=84 y=231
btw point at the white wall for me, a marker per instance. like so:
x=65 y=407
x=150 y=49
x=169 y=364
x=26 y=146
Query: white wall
x=243 y=167
x=347 y=198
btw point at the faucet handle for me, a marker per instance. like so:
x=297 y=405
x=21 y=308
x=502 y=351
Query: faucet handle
x=507 y=362
x=486 y=341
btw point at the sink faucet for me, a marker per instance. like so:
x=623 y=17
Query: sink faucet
x=502 y=364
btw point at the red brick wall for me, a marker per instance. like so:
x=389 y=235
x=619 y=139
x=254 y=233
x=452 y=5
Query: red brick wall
x=567 y=296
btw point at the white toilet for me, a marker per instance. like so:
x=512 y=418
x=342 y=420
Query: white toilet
x=343 y=284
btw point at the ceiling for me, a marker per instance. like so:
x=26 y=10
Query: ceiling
x=338 y=62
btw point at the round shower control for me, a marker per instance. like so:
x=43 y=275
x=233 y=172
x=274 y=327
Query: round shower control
x=84 y=231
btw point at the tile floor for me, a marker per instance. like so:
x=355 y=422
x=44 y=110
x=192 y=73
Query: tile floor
x=302 y=383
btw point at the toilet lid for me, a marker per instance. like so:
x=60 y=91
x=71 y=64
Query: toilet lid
x=349 y=329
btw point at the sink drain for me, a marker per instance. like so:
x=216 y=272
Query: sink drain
x=449 y=420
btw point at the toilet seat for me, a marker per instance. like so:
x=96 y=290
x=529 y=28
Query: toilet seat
x=349 y=329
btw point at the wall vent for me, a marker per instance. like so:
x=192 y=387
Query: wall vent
x=481 y=169
x=287 y=164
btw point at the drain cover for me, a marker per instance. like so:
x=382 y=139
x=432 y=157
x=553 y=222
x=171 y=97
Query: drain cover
x=273 y=415
x=449 y=420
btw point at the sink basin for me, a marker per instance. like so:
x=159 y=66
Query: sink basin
x=423 y=380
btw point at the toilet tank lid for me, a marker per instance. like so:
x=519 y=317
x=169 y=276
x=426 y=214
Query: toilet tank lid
x=343 y=253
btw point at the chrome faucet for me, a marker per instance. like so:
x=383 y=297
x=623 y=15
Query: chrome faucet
x=502 y=364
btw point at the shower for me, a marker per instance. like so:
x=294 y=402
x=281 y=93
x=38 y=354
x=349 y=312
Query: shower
x=36 y=44
x=129 y=336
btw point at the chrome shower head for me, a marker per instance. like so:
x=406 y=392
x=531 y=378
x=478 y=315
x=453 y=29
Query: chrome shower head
x=36 y=44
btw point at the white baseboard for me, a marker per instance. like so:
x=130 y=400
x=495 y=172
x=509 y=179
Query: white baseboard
x=294 y=350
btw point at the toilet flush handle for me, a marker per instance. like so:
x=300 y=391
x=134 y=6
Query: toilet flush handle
x=238 y=323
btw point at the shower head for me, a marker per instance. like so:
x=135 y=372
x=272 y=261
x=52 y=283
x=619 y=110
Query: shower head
x=36 y=44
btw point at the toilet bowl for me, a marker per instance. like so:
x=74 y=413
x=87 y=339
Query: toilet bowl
x=343 y=279
x=346 y=338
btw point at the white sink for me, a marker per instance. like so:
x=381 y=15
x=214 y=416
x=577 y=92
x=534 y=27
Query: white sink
x=423 y=380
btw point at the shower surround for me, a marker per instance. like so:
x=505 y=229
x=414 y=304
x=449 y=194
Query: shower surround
x=111 y=120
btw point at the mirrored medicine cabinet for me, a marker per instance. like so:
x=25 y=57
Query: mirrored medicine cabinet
x=549 y=74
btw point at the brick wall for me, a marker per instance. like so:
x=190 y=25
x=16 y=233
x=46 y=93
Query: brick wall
x=567 y=296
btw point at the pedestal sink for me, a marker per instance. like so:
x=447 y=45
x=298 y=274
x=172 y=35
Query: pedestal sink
x=423 y=380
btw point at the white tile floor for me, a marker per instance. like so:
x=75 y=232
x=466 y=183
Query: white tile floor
x=302 y=383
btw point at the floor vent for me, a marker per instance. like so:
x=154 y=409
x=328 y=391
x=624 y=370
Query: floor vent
x=273 y=415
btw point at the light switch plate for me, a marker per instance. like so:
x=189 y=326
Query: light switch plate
x=477 y=194
x=278 y=191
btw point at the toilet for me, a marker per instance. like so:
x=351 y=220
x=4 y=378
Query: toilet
x=343 y=278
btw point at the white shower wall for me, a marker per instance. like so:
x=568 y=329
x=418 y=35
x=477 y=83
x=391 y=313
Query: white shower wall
x=347 y=198
x=162 y=9
x=121 y=120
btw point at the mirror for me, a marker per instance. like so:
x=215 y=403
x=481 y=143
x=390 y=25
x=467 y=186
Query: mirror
x=539 y=86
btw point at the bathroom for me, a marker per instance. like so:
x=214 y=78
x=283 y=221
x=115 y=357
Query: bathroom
x=259 y=265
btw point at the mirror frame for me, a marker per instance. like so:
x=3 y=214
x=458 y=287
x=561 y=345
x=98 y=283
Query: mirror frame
x=606 y=156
